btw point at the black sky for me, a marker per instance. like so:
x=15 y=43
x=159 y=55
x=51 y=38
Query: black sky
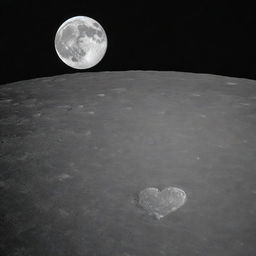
x=187 y=36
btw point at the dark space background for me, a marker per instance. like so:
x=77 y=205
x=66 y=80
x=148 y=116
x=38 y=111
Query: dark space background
x=186 y=36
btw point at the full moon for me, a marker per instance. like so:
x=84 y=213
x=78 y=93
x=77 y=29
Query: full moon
x=81 y=42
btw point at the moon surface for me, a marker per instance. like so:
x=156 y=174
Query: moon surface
x=81 y=42
x=77 y=150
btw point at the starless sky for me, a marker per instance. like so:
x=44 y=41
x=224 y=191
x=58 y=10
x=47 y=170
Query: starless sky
x=188 y=36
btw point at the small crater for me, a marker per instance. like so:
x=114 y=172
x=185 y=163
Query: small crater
x=63 y=176
x=37 y=114
x=88 y=133
x=128 y=108
x=73 y=167
x=195 y=94
x=5 y=101
x=118 y=90
x=66 y=107
x=63 y=213
x=231 y=83
x=244 y=104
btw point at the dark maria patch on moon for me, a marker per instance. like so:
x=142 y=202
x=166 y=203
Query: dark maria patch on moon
x=85 y=30
x=99 y=33
x=67 y=34
x=74 y=59
x=96 y=24
x=62 y=40
x=66 y=51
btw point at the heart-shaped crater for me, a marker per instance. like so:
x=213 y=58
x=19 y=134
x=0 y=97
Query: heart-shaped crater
x=161 y=203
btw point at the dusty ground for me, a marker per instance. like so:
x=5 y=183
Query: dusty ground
x=77 y=149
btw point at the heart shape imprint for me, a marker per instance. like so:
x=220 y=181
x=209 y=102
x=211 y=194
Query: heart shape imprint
x=161 y=203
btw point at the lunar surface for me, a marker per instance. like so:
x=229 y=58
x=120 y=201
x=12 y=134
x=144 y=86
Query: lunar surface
x=77 y=150
x=81 y=42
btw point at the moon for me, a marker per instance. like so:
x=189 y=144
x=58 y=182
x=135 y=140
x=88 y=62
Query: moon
x=81 y=42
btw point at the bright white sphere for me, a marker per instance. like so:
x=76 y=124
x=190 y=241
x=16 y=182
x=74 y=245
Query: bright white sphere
x=81 y=42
